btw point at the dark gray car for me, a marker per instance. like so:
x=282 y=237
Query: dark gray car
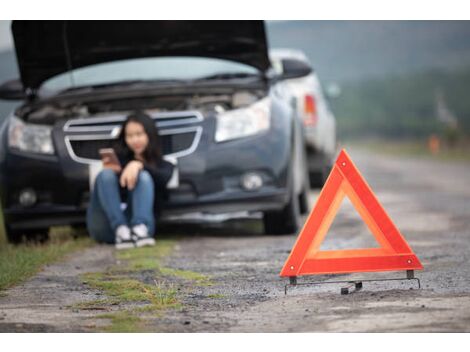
x=223 y=118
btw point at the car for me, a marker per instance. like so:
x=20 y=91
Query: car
x=223 y=117
x=319 y=123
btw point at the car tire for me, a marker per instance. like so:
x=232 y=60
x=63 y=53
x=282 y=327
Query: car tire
x=286 y=221
x=318 y=178
x=13 y=236
x=304 y=207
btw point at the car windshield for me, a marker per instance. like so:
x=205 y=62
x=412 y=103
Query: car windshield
x=148 y=69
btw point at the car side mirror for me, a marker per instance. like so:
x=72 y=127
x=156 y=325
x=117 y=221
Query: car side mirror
x=292 y=68
x=12 y=90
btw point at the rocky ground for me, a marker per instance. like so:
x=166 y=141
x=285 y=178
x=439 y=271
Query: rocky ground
x=428 y=201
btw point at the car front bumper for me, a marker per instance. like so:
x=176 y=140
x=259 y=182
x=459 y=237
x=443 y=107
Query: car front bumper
x=209 y=181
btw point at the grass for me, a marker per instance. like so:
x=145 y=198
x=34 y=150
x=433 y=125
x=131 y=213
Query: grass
x=146 y=258
x=121 y=289
x=123 y=321
x=200 y=279
x=3 y=236
x=135 y=299
x=149 y=258
x=20 y=262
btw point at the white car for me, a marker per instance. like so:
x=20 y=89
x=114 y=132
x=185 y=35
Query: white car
x=318 y=120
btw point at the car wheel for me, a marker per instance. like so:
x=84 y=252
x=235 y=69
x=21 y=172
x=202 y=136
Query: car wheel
x=13 y=236
x=318 y=178
x=303 y=200
x=286 y=221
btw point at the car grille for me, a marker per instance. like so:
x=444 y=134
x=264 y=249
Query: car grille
x=175 y=143
x=179 y=134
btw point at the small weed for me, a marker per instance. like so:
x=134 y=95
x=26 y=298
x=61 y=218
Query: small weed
x=165 y=295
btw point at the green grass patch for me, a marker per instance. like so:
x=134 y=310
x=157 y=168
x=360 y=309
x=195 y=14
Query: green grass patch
x=149 y=258
x=3 y=235
x=20 y=262
x=200 y=279
x=161 y=250
x=123 y=321
x=121 y=285
x=146 y=258
x=122 y=289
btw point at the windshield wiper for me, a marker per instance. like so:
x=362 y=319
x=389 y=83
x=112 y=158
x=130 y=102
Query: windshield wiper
x=228 y=75
x=120 y=83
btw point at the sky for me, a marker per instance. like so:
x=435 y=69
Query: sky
x=5 y=35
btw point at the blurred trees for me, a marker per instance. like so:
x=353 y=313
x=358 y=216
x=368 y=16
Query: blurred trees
x=404 y=106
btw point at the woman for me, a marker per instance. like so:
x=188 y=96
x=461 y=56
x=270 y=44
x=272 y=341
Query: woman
x=140 y=182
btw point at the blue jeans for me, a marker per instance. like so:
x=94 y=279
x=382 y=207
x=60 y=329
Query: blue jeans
x=104 y=213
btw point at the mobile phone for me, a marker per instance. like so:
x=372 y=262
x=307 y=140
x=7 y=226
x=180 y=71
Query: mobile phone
x=109 y=157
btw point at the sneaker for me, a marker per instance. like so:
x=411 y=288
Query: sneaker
x=123 y=238
x=141 y=237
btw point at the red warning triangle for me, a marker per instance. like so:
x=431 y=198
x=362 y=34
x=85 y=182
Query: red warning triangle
x=306 y=258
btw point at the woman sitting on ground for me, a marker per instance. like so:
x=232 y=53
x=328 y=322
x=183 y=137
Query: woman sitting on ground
x=140 y=181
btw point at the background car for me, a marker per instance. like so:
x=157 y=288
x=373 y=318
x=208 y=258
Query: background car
x=223 y=117
x=319 y=123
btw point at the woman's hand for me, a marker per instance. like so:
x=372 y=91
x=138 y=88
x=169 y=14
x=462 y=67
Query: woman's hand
x=107 y=164
x=129 y=174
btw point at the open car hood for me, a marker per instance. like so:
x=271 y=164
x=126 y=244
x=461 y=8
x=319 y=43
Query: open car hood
x=47 y=48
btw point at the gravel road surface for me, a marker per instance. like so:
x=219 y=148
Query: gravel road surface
x=428 y=201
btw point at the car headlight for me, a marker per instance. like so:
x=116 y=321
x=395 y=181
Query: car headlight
x=243 y=122
x=29 y=137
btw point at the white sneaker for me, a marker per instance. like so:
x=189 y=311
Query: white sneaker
x=141 y=237
x=123 y=238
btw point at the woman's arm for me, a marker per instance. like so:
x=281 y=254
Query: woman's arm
x=129 y=174
x=161 y=174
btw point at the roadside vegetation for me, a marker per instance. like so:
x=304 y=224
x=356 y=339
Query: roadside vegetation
x=406 y=106
x=136 y=289
x=20 y=262
x=139 y=287
x=415 y=148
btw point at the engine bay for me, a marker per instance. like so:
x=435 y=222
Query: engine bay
x=48 y=113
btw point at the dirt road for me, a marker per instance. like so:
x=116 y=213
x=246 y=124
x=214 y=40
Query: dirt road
x=429 y=202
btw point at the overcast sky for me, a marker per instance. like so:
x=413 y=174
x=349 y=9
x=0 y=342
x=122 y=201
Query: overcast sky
x=5 y=35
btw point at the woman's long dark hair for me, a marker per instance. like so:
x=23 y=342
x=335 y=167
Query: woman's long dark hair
x=153 y=152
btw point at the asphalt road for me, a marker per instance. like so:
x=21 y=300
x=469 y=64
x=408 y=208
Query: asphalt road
x=428 y=201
